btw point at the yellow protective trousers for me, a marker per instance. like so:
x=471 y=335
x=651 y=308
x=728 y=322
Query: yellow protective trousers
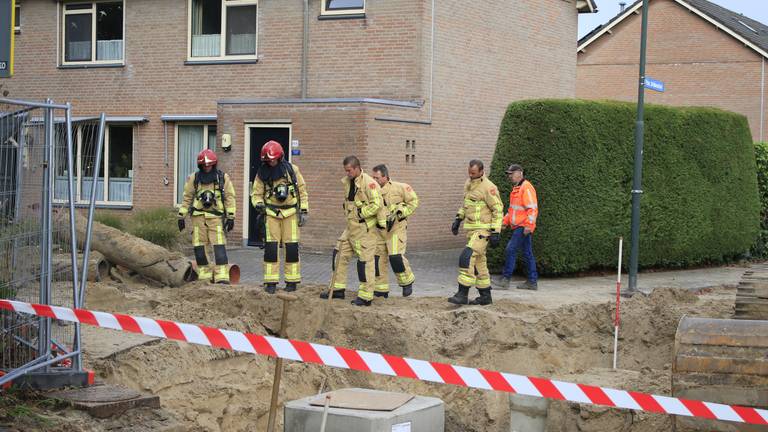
x=209 y=231
x=283 y=230
x=473 y=265
x=357 y=240
x=391 y=247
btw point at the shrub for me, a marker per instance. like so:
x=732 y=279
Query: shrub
x=110 y=219
x=157 y=225
x=700 y=201
x=760 y=249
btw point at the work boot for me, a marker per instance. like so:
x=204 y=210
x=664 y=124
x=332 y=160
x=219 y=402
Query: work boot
x=461 y=296
x=270 y=288
x=290 y=286
x=223 y=282
x=528 y=285
x=484 y=299
x=337 y=294
x=360 y=302
x=407 y=290
x=501 y=282
x=384 y=294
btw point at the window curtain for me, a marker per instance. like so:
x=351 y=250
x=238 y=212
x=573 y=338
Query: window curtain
x=190 y=144
x=203 y=45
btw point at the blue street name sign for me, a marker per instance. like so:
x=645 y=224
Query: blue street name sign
x=652 y=84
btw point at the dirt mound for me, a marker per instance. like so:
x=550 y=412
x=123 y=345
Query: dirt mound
x=216 y=390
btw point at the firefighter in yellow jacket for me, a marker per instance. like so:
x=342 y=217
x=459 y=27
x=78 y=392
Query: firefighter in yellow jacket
x=279 y=192
x=400 y=201
x=364 y=211
x=482 y=214
x=209 y=198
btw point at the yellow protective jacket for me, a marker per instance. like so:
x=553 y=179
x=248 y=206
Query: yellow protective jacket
x=482 y=207
x=362 y=202
x=399 y=199
x=192 y=193
x=264 y=193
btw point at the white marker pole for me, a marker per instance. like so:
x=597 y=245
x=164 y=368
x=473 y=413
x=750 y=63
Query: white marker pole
x=618 y=302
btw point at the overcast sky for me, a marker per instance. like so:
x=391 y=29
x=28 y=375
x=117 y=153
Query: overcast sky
x=755 y=9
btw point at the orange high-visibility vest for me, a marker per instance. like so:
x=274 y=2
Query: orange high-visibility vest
x=523 y=207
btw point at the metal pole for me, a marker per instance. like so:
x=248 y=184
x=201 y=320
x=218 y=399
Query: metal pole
x=76 y=361
x=618 y=305
x=637 y=180
x=47 y=247
x=91 y=210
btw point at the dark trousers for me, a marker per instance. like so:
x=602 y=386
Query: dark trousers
x=520 y=242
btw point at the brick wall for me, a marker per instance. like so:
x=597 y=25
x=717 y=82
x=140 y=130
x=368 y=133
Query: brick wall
x=699 y=64
x=486 y=55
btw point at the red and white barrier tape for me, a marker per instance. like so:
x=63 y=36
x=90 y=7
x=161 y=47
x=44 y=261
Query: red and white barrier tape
x=396 y=366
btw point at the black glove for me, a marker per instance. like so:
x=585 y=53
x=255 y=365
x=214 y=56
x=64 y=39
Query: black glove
x=494 y=239
x=455 y=226
x=260 y=208
x=390 y=222
x=303 y=218
x=182 y=224
x=229 y=225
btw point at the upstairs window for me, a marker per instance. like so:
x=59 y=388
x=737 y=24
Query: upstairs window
x=93 y=32
x=343 y=7
x=222 y=29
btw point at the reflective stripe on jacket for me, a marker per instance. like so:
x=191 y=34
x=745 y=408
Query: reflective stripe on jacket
x=523 y=207
x=482 y=207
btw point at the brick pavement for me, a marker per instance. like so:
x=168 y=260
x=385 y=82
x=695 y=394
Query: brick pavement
x=436 y=277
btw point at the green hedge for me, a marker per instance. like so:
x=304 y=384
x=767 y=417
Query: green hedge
x=700 y=201
x=760 y=249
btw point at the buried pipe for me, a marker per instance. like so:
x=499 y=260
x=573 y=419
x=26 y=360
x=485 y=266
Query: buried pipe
x=286 y=298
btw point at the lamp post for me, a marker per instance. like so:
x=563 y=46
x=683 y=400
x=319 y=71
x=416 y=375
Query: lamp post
x=637 y=179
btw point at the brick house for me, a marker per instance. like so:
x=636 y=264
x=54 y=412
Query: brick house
x=705 y=54
x=420 y=85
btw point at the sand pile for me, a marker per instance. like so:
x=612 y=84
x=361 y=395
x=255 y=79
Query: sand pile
x=216 y=390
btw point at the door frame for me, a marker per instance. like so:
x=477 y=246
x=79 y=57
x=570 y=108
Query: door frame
x=247 y=165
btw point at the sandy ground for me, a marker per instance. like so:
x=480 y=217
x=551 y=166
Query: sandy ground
x=203 y=389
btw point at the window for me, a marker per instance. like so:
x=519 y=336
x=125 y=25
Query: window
x=17 y=18
x=93 y=32
x=191 y=139
x=343 y=7
x=114 y=179
x=234 y=19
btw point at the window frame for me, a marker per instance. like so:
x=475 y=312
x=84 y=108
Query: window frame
x=206 y=140
x=77 y=142
x=324 y=11
x=92 y=11
x=223 y=57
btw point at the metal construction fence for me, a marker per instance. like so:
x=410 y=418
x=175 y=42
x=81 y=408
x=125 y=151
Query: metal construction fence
x=43 y=154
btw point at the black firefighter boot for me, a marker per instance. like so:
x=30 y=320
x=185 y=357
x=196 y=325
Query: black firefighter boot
x=461 y=296
x=270 y=287
x=407 y=290
x=290 y=286
x=337 y=294
x=484 y=299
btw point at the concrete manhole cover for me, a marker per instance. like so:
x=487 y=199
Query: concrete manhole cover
x=97 y=394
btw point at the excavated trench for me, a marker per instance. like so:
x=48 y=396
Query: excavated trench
x=216 y=390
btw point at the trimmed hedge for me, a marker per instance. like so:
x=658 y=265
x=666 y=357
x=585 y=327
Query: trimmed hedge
x=760 y=249
x=700 y=201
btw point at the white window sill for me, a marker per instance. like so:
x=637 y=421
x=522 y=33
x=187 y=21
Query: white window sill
x=90 y=65
x=193 y=61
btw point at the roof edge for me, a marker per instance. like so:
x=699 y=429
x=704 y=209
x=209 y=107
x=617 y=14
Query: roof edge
x=289 y=101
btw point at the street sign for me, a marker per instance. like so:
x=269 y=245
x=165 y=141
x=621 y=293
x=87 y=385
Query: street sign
x=652 y=84
x=7 y=8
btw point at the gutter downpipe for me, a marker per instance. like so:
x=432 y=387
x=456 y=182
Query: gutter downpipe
x=762 y=101
x=304 y=51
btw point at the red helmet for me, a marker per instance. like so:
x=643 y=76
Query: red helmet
x=272 y=150
x=206 y=158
